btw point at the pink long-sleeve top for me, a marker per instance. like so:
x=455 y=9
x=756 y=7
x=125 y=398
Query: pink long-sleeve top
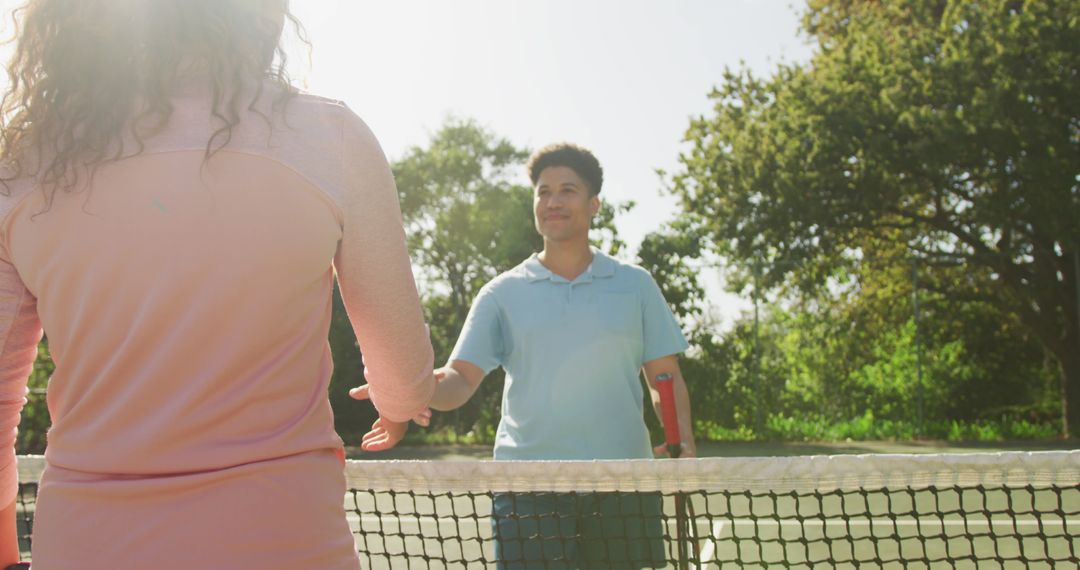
x=187 y=306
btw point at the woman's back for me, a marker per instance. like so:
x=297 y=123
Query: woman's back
x=189 y=299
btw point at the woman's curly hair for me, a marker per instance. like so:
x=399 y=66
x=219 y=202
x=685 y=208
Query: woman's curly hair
x=85 y=73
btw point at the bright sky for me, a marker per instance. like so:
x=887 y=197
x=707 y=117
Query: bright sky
x=622 y=77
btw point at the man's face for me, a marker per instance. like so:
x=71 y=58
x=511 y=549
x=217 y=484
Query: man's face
x=563 y=205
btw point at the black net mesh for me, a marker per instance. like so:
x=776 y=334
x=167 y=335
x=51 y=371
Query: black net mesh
x=412 y=515
x=951 y=527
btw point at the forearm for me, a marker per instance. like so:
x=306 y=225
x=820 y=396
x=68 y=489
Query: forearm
x=452 y=392
x=682 y=406
x=669 y=365
x=375 y=278
x=682 y=409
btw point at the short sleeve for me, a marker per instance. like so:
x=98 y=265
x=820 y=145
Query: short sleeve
x=481 y=341
x=661 y=331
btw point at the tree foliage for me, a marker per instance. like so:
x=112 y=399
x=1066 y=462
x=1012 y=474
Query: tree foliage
x=669 y=255
x=468 y=219
x=948 y=128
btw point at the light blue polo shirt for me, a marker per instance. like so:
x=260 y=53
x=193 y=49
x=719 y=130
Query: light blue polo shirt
x=572 y=352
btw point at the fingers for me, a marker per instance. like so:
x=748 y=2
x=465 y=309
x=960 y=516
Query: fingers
x=378 y=439
x=423 y=419
x=360 y=393
x=384 y=434
x=375 y=437
x=661 y=451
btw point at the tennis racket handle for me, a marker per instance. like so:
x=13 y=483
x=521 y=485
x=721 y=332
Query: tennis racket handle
x=665 y=383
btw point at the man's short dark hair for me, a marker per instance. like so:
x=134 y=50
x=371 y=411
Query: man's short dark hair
x=572 y=156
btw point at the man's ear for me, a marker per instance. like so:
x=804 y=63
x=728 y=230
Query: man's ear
x=594 y=204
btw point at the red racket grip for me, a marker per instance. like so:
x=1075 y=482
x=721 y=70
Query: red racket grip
x=665 y=383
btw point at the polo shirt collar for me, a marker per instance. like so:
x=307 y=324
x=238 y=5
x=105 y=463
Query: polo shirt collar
x=602 y=266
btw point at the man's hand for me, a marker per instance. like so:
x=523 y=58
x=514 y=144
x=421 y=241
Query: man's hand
x=457 y=382
x=687 y=451
x=386 y=433
x=422 y=419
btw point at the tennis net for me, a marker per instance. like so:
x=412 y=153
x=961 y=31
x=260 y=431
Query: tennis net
x=993 y=510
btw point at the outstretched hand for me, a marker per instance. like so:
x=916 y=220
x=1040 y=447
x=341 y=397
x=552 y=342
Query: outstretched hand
x=421 y=419
x=385 y=433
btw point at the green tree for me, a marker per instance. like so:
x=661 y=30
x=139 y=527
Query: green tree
x=670 y=256
x=948 y=127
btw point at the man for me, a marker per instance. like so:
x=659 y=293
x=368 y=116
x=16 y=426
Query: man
x=573 y=328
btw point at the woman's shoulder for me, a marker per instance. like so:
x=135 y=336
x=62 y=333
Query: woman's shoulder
x=305 y=108
x=333 y=116
x=316 y=100
x=313 y=103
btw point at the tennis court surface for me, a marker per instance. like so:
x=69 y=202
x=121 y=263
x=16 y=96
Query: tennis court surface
x=987 y=510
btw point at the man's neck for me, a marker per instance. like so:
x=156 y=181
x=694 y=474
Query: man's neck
x=566 y=259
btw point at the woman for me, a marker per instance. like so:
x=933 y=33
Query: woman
x=173 y=216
